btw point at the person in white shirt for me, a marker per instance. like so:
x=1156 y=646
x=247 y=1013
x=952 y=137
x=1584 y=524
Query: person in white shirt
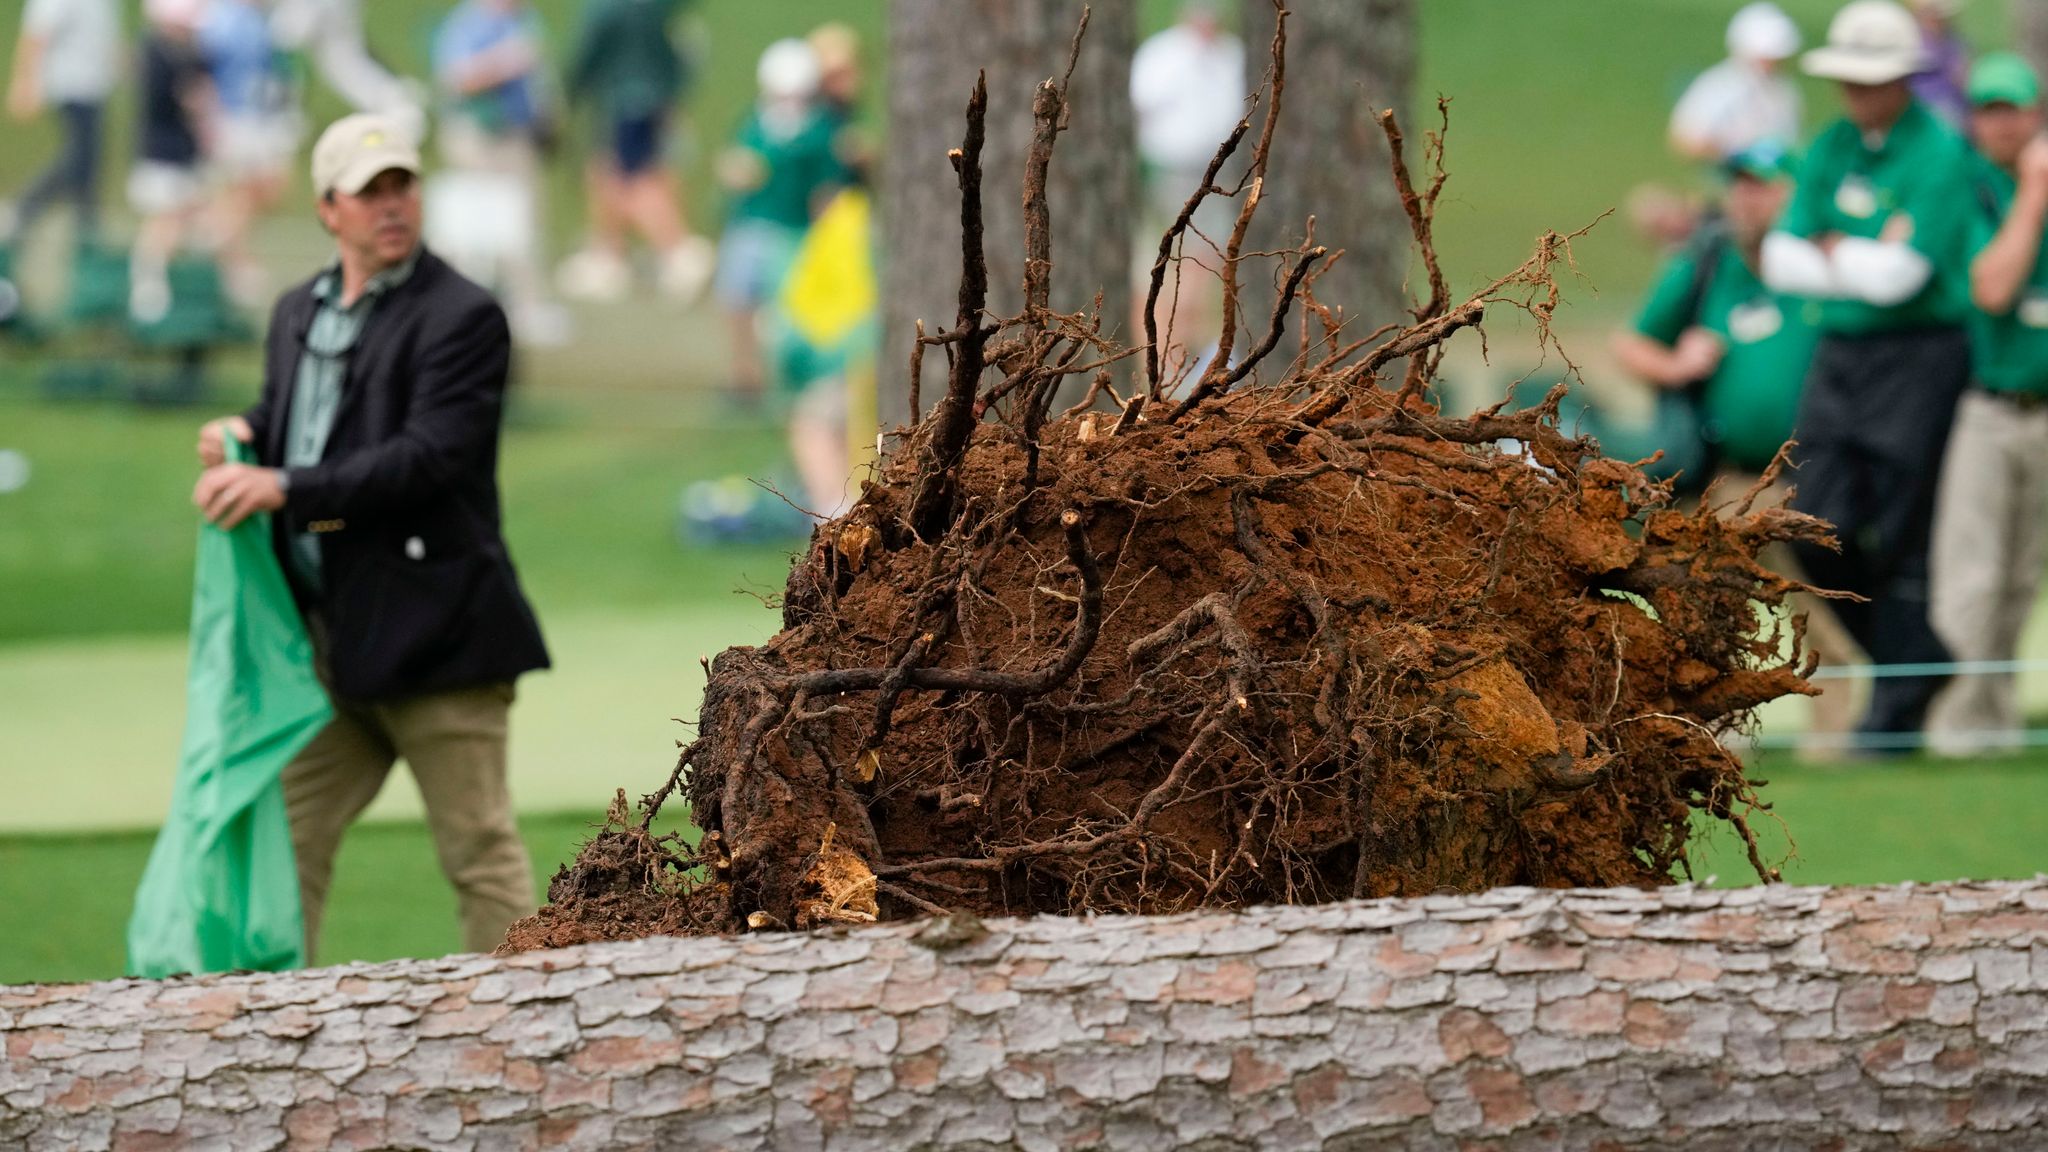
x=66 y=61
x=1746 y=99
x=1188 y=91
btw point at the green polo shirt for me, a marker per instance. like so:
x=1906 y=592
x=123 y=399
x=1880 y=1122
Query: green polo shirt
x=1920 y=168
x=2009 y=353
x=317 y=388
x=1752 y=400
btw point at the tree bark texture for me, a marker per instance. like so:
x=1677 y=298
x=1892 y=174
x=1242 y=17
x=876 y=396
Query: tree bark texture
x=935 y=49
x=1912 y=1017
x=2030 y=31
x=1347 y=60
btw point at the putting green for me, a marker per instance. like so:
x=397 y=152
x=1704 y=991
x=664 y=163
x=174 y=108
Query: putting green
x=92 y=726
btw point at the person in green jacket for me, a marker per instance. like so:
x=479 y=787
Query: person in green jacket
x=1713 y=332
x=1991 y=514
x=1877 y=232
x=778 y=172
x=628 y=70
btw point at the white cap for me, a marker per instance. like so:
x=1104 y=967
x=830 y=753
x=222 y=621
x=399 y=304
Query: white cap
x=1869 y=42
x=354 y=149
x=1762 y=31
x=788 y=69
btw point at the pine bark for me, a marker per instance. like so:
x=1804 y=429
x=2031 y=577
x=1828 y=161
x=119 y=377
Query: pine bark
x=935 y=49
x=1912 y=1017
x=1347 y=60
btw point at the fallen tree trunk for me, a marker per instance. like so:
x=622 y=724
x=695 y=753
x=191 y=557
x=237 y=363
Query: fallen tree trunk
x=1514 y=1019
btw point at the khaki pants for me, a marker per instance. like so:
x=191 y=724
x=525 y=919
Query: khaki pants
x=1988 y=528
x=454 y=742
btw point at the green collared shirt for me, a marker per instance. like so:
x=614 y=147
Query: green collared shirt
x=316 y=389
x=1854 y=186
x=2010 y=351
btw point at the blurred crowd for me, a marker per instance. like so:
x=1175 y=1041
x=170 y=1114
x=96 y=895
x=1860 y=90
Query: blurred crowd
x=220 y=88
x=1878 y=293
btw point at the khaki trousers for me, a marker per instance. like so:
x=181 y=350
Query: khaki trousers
x=454 y=742
x=1988 y=529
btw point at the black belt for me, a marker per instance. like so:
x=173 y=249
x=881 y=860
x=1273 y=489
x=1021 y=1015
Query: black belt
x=2024 y=401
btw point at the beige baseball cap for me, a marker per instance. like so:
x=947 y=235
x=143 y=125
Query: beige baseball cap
x=354 y=149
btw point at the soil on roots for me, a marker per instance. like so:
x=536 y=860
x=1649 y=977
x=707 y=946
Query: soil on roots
x=1300 y=640
x=1394 y=654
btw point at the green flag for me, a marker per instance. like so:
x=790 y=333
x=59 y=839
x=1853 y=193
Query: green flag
x=221 y=890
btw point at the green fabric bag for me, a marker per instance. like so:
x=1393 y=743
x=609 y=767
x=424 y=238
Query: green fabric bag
x=221 y=891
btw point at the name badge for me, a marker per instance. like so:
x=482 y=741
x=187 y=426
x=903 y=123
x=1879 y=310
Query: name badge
x=1855 y=198
x=2033 y=309
x=1755 y=321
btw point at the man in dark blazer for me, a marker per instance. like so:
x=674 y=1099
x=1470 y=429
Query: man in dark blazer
x=377 y=441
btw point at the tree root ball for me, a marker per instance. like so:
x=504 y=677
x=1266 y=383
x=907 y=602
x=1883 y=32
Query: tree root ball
x=1227 y=661
x=1301 y=640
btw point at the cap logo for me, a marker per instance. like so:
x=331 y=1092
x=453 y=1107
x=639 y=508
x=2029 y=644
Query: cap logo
x=372 y=139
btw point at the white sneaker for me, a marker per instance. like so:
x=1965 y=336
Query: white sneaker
x=686 y=268
x=594 y=274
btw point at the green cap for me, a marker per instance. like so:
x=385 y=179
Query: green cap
x=2003 y=78
x=1765 y=160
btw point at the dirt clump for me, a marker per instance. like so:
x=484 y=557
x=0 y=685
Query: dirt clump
x=1291 y=639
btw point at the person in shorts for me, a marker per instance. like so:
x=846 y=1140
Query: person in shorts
x=627 y=68
x=778 y=173
x=166 y=185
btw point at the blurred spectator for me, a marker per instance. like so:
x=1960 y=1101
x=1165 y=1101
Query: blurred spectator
x=1713 y=337
x=65 y=61
x=1946 y=70
x=841 y=86
x=1188 y=92
x=331 y=31
x=627 y=67
x=1876 y=231
x=257 y=134
x=1991 y=517
x=778 y=171
x=827 y=318
x=1746 y=99
x=487 y=212
x=175 y=115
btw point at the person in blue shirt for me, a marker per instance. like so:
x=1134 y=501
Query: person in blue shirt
x=489 y=57
x=257 y=133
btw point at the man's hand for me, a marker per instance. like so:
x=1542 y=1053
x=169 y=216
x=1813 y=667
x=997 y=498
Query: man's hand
x=2033 y=164
x=230 y=493
x=213 y=449
x=1698 y=352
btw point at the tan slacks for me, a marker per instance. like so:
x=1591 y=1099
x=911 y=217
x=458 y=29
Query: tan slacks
x=454 y=743
x=1986 y=566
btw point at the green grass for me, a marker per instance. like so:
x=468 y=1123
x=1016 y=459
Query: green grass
x=64 y=899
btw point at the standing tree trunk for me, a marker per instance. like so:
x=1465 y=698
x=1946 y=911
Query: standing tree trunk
x=935 y=49
x=1347 y=60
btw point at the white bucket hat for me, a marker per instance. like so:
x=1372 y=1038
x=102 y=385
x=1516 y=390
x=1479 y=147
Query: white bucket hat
x=1762 y=31
x=1869 y=42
